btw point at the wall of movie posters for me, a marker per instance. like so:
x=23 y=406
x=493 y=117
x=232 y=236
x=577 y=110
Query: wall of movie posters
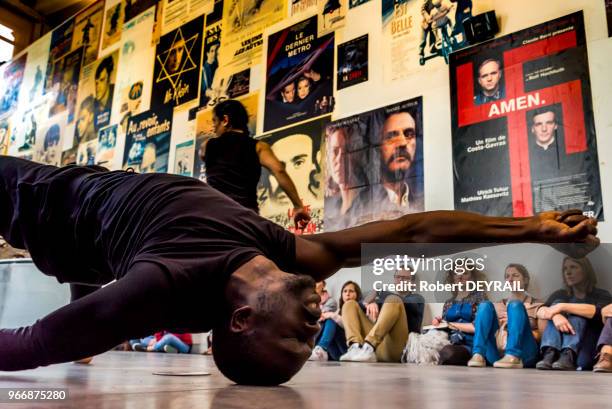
x=133 y=83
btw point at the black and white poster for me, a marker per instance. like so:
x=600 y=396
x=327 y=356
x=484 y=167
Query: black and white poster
x=353 y=62
x=299 y=75
x=522 y=119
x=177 y=66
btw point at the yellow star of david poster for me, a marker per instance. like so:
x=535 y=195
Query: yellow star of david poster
x=177 y=66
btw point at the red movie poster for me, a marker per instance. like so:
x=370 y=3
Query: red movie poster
x=523 y=130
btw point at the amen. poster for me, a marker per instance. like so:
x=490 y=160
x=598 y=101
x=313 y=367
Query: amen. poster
x=522 y=120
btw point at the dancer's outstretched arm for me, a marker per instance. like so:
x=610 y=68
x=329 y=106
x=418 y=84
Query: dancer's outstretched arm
x=321 y=255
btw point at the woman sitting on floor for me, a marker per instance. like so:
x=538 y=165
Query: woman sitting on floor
x=570 y=337
x=604 y=345
x=164 y=342
x=331 y=342
x=510 y=325
x=459 y=312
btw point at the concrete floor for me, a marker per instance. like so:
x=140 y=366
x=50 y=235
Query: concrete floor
x=125 y=380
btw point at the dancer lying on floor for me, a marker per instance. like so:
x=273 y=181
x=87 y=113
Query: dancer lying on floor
x=217 y=264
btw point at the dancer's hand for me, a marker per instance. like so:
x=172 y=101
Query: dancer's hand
x=301 y=217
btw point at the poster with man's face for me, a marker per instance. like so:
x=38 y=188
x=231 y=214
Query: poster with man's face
x=12 y=78
x=95 y=101
x=522 y=119
x=374 y=164
x=299 y=75
x=87 y=31
x=300 y=149
x=49 y=140
x=177 y=66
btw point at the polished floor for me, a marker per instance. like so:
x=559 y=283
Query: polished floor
x=126 y=380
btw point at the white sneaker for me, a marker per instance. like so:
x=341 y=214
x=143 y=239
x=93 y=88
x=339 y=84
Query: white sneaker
x=366 y=354
x=353 y=350
x=318 y=354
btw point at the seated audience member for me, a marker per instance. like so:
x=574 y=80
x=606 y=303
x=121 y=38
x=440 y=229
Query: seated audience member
x=459 y=312
x=331 y=341
x=380 y=333
x=328 y=304
x=574 y=313
x=164 y=342
x=604 y=345
x=510 y=326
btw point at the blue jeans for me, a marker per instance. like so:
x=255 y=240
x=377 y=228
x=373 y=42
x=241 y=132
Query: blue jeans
x=143 y=341
x=553 y=338
x=173 y=341
x=332 y=339
x=520 y=343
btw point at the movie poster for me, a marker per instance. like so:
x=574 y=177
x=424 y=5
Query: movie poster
x=49 y=140
x=178 y=12
x=301 y=149
x=35 y=71
x=87 y=31
x=86 y=153
x=352 y=62
x=95 y=100
x=66 y=71
x=178 y=60
x=299 y=75
x=69 y=156
x=209 y=81
x=148 y=143
x=135 y=7
x=26 y=127
x=12 y=77
x=135 y=73
x=205 y=129
x=355 y=3
x=114 y=16
x=609 y=16
x=5 y=135
x=423 y=33
x=374 y=164
x=522 y=119
x=107 y=140
x=331 y=15
x=243 y=24
x=61 y=40
x=184 y=158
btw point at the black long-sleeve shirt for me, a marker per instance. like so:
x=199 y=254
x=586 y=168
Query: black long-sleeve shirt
x=171 y=243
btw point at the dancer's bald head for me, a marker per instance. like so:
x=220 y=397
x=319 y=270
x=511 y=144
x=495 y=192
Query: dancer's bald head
x=269 y=324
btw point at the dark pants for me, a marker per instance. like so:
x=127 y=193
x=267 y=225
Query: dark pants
x=606 y=335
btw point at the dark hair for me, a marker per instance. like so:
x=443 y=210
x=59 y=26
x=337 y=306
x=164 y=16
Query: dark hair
x=587 y=269
x=88 y=104
x=106 y=64
x=236 y=114
x=52 y=136
x=542 y=110
x=357 y=290
x=488 y=60
x=524 y=272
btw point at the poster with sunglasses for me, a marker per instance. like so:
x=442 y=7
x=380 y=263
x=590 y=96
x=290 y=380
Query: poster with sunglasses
x=374 y=165
x=299 y=72
x=522 y=123
x=178 y=59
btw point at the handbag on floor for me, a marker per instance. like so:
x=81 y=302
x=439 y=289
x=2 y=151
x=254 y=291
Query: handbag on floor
x=425 y=348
